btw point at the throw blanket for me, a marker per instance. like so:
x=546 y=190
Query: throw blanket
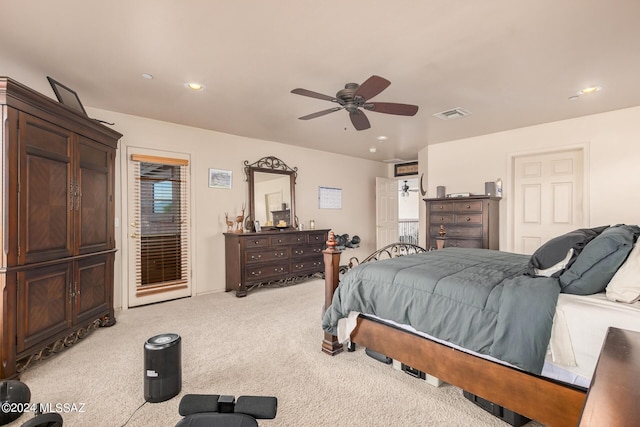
x=478 y=299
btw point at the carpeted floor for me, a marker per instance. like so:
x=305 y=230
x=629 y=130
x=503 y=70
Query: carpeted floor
x=265 y=344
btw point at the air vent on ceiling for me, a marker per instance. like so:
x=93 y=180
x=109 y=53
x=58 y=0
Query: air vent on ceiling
x=454 y=113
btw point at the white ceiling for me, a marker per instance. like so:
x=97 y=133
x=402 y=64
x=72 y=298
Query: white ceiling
x=511 y=63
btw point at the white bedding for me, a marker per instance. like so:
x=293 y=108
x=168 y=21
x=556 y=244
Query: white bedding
x=576 y=342
x=579 y=328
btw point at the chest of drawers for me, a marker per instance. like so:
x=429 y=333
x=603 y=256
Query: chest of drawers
x=469 y=222
x=252 y=259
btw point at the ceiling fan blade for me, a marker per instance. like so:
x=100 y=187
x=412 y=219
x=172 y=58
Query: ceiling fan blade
x=305 y=92
x=320 y=113
x=371 y=87
x=359 y=120
x=392 y=108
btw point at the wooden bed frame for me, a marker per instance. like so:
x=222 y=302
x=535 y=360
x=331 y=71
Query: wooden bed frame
x=541 y=399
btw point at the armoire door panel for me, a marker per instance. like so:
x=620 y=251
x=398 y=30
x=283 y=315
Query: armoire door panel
x=91 y=289
x=44 y=306
x=96 y=201
x=45 y=191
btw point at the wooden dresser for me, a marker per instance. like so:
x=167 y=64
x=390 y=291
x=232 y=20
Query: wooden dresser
x=57 y=207
x=469 y=222
x=252 y=259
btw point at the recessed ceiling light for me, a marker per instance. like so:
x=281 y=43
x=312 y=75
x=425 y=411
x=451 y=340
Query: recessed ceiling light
x=147 y=76
x=382 y=138
x=194 y=86
x=372 y=150
x=589 y=90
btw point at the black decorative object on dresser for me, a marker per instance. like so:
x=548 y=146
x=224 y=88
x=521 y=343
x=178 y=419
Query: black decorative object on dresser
x=57 y=205
x=272 y=257
x=465 y=222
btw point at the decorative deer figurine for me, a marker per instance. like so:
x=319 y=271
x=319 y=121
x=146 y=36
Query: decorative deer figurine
x=229 y=223
x=240 y=221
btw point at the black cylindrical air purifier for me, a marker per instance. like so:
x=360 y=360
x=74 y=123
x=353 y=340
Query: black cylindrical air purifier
x=162 y=367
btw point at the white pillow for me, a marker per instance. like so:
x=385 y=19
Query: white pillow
x=625 y=284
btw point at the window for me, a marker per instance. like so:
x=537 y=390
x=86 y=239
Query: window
x=162 y=220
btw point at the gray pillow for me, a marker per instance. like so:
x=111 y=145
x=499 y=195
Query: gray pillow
x=599 y=260
x=554 y=252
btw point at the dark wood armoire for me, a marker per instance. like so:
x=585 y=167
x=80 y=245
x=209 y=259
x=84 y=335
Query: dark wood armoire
x=57 y=232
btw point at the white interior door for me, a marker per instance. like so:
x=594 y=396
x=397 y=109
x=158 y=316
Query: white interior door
x=386 y=211
x=548 y=197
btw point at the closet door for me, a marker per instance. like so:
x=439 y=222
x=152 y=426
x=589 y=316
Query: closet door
x=46 y=191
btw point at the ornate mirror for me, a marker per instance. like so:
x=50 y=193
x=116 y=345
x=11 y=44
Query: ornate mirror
x=272 y=199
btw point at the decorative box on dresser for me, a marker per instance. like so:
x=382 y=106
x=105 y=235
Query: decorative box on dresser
x=252 y=259
x=56 y=190
x=468 y=222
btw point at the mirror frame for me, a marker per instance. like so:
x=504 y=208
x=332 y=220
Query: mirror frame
x=269 y=164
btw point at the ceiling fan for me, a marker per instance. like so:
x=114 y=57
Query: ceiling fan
x=355 y=97
x=404 y=190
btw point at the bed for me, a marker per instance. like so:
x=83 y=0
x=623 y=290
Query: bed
x=565 y=287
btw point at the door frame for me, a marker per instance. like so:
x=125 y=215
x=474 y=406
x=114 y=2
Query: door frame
x=510 y=193
x=125 y=255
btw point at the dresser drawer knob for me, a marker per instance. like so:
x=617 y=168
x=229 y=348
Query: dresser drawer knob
x=441 y=207
x=257 y=242
x=468 y=219
x=468 y=206
x=279 y=240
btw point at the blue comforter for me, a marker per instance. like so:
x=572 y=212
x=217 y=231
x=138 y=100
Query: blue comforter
x=478 y=299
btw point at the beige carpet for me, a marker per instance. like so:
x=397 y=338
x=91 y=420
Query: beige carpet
x=265 y=344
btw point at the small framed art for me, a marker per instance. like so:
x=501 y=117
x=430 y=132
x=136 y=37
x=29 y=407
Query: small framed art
x=256 y=225
x=219 y=178
x=404 y=169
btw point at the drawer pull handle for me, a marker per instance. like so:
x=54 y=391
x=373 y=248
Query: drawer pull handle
x=468 y=206
x=441 y=207
x=279 y=240
x=256 y=273
x=300 y=252
x=279 y=270
x=257 y=242
x=256 y=256
x=279 y=254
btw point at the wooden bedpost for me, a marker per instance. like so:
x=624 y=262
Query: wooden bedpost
x=330 y=344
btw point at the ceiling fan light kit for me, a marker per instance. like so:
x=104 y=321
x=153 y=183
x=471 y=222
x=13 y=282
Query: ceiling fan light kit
x=354 y=98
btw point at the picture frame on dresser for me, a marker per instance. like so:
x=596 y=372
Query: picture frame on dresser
x=256 y=225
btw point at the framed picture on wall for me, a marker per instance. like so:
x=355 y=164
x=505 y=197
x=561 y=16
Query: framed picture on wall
x=219 y=178
x=404 y=169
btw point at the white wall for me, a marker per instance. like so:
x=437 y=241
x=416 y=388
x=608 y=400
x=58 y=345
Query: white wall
x=612 y=141
x=210 y=149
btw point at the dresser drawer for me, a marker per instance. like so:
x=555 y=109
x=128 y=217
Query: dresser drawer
x=289 y=239
x=475 y=219
x=441 y=207
x=256 y=242
x=317 y=237
x=468 y=206
x=438 y=218
x=306 y=251
x=264 y=272
x=455 y=231
x=463 y=243
x=307 y=265
x=266 y=255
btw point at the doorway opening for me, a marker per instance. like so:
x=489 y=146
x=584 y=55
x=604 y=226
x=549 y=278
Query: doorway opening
x=408 y=210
